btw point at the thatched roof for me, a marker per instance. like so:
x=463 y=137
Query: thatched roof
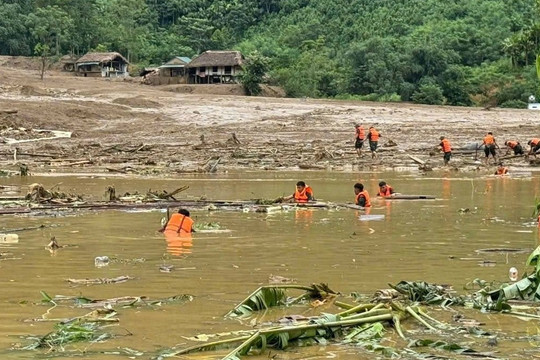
x=217 y=58
x=101 y=57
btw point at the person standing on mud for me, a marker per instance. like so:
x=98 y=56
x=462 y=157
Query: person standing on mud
x=535 y=146
x=361 y=196
x=515 y=146
x=373 y=137
x=490 y=146
x=446 y=149
x=359 y=138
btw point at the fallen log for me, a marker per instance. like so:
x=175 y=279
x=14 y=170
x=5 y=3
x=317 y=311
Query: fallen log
x=311 y=167
x=28 y=154
x=510 y=157
x=98 y=281
x=9 y=111
x=407 y=197
x=416 y=160
x=9 y=211
x=82 y=162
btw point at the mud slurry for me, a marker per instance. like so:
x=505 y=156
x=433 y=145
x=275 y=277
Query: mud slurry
x=111 y=119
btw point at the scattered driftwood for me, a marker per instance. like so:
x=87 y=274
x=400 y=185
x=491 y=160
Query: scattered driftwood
x=19 y=153
x=510 y=157
x=42 y=226
x=99 y=281
x=408 y=197
x=9 y=111
x=311 y=167
x=38 y=194
x=233 y=140
x=416 y=160
x=150 y=196
x=213 y=168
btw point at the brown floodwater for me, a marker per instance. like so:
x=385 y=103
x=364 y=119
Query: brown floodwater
x=429 y=240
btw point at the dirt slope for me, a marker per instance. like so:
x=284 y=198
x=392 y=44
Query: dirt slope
x=128 y=127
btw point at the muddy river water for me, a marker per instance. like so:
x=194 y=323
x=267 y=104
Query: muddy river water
x=431 y=240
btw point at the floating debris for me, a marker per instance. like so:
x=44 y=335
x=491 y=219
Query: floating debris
x=99 y=281
x=502 y=251
x=166 y=268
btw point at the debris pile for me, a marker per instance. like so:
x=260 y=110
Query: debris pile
x=37 y=194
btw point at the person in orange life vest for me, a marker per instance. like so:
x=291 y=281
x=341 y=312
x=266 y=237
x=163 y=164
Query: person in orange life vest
x=373 y=136
x=179 y=223
x=446 y=148
x=359 y=138
x=303 y=193
x=489 y=146
x=515 y=146
x=362 y=196
x=385 y=190
x=535 y=146
x=501 y=170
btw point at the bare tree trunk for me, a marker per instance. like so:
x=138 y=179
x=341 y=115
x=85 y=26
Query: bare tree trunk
x=43 y=63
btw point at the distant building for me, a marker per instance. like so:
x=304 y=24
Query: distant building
x=174 y=71
x=68 y=63
x=109 y=64
x=215 y=67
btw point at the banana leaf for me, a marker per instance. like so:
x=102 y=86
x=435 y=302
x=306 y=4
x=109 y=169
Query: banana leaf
x=269 y=296
x=452 y=347
x=421 y=291
x=72 y=332
x=534 y=260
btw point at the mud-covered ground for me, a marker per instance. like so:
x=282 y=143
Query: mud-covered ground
x=123 y=126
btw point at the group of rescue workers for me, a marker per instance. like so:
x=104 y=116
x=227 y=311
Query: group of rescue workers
x=489 y=144
x=490 y=150
x=304 y=193
x=181 y=223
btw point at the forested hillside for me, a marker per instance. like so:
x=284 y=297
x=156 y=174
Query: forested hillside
x=430 y=51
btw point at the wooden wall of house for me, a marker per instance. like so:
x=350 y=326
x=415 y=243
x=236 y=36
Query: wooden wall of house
x=219 y=70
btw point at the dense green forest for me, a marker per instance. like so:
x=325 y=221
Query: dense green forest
x=458 y=52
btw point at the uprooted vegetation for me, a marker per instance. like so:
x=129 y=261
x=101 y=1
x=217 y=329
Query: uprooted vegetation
x=402 y=321
x=368 y=324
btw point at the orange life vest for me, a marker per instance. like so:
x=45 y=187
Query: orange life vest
x=364 y=194
x=302 y=197
x=179 y=223
x=360 y=133
x=512 y=144
x=488 y=140
x=446 y=145
x=502 y=171
x=374 y=135
x=388 y=191
x=535 y=142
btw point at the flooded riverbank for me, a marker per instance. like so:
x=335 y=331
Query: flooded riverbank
x=433 y=240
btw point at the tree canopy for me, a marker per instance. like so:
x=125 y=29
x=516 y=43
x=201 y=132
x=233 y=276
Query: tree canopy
x=456 y=52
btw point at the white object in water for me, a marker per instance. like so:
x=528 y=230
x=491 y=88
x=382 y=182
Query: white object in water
x=371 y=217
x=101 y=261
x=534 y=106
x=513 y=274
x=9 y=238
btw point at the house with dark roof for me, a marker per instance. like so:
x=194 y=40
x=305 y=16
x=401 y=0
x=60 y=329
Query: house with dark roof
x=216 y=67
x=98 y=64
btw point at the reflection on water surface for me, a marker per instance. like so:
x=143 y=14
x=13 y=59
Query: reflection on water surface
x=434 y=240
